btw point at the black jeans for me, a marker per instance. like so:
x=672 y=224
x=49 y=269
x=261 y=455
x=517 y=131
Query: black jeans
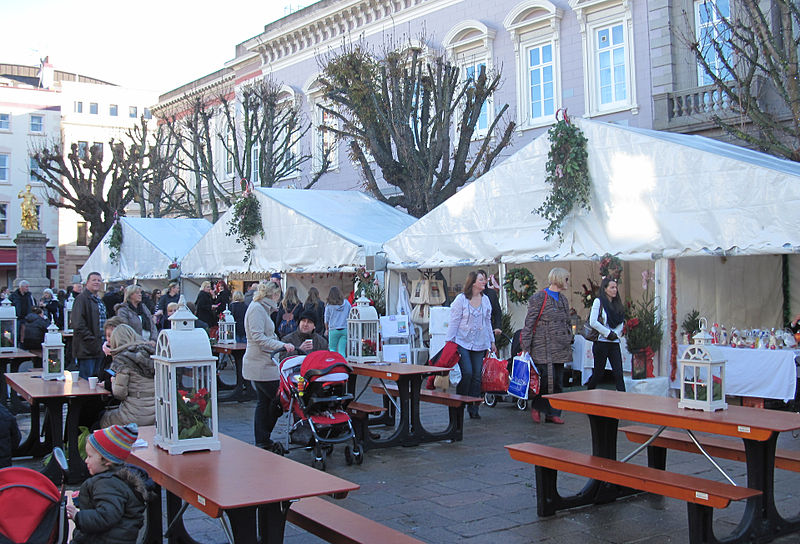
x=603 y=351
x=267 y=411
x=539 y=402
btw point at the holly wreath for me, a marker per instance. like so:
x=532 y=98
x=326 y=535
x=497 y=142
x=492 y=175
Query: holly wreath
x=526 y=281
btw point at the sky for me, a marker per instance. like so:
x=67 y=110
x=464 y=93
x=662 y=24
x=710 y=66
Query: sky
x=156 y=45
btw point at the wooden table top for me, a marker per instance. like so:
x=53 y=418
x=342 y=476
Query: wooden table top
x=393 y=371
x=17 y=354
x=738 y=421
x=237 y=475
x=31 y=386
x=228 y=348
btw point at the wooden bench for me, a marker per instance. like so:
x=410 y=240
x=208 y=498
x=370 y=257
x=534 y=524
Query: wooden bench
x=724 y=448
x=340 y=526
x=701 y=495
x=359 y=415
x=455 y=406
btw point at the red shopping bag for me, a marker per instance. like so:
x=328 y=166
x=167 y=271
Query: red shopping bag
x=494 y=377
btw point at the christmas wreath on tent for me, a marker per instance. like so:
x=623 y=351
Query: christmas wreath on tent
x=527 y=285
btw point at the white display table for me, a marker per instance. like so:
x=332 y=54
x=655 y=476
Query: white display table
x=583 y=360
x=751 y=372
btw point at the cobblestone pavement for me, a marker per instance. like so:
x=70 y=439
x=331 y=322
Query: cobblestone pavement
x=473 y=492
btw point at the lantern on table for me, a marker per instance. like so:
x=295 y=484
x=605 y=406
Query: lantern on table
x=185 y=387
x=8 y=326
x=226 y=333
x=703 y=338
x=52 y=354
x=702 y=380
x=67 y=311
x=363 y=344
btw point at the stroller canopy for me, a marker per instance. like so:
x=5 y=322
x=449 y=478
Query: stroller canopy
x=327 y=366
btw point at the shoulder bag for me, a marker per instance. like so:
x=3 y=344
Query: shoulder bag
x=589 y=332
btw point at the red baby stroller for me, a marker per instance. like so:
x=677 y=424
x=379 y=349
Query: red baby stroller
x=32 y=508
x=313 y=392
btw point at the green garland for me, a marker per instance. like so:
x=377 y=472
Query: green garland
x=114 y=242
x=567 y=173
x=245 y=223
x=526 y=281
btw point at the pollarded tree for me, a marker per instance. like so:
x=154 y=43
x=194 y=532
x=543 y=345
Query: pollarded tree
x=749 y=50
x=417 y=118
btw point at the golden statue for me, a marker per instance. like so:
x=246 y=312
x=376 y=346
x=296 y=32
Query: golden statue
x=30 y=221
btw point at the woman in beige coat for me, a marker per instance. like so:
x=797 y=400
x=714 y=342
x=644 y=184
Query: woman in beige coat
x=257 y=364
x=133 y=383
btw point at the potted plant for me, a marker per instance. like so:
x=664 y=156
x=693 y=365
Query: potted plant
x=643 y=334
x=691 y=325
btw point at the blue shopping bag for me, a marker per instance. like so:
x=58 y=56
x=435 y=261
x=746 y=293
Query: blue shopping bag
x=520 y=379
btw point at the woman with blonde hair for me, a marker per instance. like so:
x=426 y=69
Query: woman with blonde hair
x=133 y=383
x=238 y=308
x=257 y=364
x=288 y=315
x=547 y=335
x=136 y=314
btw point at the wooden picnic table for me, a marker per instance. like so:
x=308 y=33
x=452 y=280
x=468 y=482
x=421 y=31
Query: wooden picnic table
x=757 y=427
x=251 y=486
x=409 y=431
x=53 y=395
x=241 y=391
x=14 y=358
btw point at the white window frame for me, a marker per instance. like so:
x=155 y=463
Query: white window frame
x=83 y=150
x=113 y=110
x=133 y=112
x=594 y=15
x=315 y=100
x=469 y=44
x=531 y=24
x=255 y=175
x=228 y=154
x=6 y=128
x=94 y=106
x=4 y=219
x=287 y=96
x=715 y=29
x=33 y=129
x=78 y=106
x=5 y=171
x=33 y=168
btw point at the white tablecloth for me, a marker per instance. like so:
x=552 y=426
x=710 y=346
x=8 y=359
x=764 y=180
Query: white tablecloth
x=749 y=372
x=583 y=360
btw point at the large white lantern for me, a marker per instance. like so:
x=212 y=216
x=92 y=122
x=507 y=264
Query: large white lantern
x=363 y=343
x=8 y=326
x=52 y=354
x=702 y=380
x=186 y=387
x=67 y=312
x=226 y=333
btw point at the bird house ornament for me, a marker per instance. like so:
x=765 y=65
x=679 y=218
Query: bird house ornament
x=226 y=332
x=702 y=380
x=8 y=326
x=52 y=354
x=363 y=342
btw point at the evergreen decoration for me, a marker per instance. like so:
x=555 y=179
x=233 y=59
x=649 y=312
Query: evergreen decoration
x=567 y=173
x=245 y=223
x=505 y=337
x=367 y=285
x=643 y=325
x=691 y=323
x=527 y=285
x=114 y=242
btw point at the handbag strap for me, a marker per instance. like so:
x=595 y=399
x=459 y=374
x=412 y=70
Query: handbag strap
x=541 y=310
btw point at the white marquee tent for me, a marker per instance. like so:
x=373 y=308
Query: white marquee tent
x=306 y=231
x=149 y=245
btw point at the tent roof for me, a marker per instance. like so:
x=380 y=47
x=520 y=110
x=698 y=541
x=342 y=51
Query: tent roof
x=652 y=194
x=305 y=231
x=149 y=245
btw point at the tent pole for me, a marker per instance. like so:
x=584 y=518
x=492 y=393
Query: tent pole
x=662 y=311
x=501 y=273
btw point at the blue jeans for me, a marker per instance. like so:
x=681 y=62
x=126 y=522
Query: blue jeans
x=471 y=365
x=267 y=411
x=337 y=341
x=89 y=367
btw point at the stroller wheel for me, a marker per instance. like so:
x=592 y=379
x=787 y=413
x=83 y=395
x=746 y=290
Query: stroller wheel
x=348 y=455
x=522 y=404
x=278 y=448
x=358 y=454
x=319 y=462
x=489 y=399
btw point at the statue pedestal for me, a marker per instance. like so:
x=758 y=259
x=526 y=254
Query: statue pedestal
x=32 y=260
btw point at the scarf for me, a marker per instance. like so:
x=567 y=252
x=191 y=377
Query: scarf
x=613 y=317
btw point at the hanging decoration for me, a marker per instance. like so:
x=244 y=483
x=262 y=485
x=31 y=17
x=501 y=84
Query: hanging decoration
x=567 y=173
x=611 y=266
x=673 y=320
x=114 y=241
x=245 y=223
x=527 y=285
x=367 y=285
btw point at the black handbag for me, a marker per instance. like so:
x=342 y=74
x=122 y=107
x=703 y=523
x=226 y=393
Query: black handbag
x=589 y=332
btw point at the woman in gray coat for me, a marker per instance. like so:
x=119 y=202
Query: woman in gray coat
x=134 y=381
x=136 y=314
x=549 y=340
x=257 y=364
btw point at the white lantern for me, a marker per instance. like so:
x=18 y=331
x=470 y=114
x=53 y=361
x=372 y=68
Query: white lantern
x=67 y=312
x=185 y=386
x=702 y=380
x=363 y=343
x=226 y=333
x=703 y=338
x=52 y=354
x=8 y=326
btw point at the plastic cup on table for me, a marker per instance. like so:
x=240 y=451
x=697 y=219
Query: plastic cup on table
x=75 y=376
x=92 y=382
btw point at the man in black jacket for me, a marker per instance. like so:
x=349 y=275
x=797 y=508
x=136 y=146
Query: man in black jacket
x=23 y=302
x=88 y=319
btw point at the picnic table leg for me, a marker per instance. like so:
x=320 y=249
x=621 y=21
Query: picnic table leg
x=33 y=445
x=55 y=416
x=77 y=468
x=153 y=515
x=176 y=531
x=272 y=521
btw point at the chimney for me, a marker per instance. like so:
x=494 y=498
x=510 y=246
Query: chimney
x=46 y=73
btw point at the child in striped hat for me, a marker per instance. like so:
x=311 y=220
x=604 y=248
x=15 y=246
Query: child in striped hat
x=111 y=502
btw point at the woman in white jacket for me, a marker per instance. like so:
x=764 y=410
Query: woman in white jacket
x=607 y=318
x=257 y=363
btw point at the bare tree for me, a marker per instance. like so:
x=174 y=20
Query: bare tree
x=266 y=127
x=80 y=182
x=751 y=55
x=417 y=118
